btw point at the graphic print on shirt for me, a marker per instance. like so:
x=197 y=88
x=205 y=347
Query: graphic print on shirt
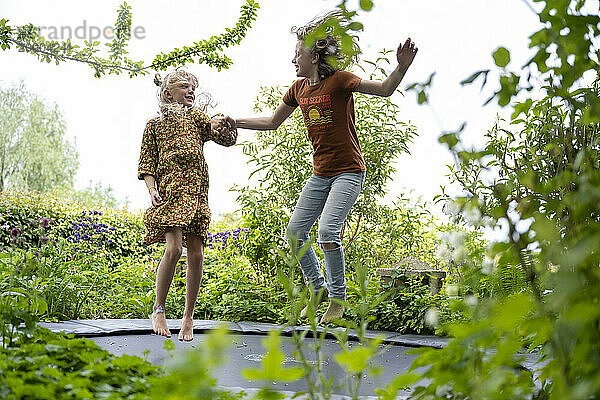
x=317 y=112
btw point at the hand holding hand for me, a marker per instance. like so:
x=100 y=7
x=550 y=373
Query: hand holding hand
x=217 y=123
x=222 y=124
x=406 y=53
x=230 y=123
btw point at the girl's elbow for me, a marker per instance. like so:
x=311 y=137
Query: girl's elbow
x=273 y=125
x=387 y=92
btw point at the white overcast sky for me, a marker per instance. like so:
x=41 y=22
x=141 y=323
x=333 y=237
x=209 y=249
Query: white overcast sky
x=106 y=116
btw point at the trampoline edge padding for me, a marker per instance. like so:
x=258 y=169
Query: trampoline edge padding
x=112 y=327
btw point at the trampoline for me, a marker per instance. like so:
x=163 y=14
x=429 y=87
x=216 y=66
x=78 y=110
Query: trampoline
x=135 y=337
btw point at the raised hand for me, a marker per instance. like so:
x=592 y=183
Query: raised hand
x=406 y=53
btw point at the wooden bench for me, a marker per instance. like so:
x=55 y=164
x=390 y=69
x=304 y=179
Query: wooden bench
x=412 y=266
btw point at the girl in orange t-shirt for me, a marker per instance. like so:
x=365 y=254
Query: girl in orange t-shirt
x=324 y=94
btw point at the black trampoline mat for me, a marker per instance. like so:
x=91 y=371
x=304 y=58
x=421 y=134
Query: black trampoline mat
x=247 y=351
x=135 y=337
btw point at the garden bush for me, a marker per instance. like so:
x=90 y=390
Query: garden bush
x=84 y=279
x=539 y=178
x=405 y=309
x=45 y=365
x=24 y=211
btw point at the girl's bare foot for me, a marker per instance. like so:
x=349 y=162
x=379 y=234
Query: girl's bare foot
x=159 y=322
x=187 y=329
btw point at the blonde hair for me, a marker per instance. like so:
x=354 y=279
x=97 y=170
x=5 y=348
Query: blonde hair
x=327 y=45
x=168 y=108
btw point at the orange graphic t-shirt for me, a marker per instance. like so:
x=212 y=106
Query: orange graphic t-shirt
x=328 y=110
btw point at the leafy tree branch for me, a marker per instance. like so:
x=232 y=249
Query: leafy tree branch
x=27 y=39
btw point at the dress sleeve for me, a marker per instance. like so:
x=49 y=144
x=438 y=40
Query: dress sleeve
x=148 y=153
x=206 y=133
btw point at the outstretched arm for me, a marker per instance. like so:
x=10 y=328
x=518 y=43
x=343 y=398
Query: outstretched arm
x=405 y=56
x=266 y=123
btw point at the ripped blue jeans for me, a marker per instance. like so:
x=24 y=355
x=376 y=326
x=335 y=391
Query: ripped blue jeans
x=331 y=198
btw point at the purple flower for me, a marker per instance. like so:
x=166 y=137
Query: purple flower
x=33 y=223
x=44 y=240
x=44 y=222
x=5 y=226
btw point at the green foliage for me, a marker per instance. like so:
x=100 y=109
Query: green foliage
x=317 y=383
x=75 y=287
x=207 y=50
x=23 y=210
x=354 y=361
x=39 y=364
x=282 y=160
x=34 y=153
x=422 y=89
x=27 y=39
x=565 y=56
x=388 y=234
x=234 y=291
x=541 y=183
x=501 y=57
x=405 y=309
x=531 y=163
x=478 y=373
x=19 y=308
x=45 y=365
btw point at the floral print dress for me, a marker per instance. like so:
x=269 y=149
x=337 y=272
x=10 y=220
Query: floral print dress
x=172 y=152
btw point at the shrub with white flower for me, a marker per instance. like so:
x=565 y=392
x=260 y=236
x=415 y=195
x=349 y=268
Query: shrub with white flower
x=451 y=247
x=432 y=317
x=488 y=266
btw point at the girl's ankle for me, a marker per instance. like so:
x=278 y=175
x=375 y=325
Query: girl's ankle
x=158 y=309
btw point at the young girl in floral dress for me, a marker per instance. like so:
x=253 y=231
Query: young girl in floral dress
x=324 y=95
x=173 y=167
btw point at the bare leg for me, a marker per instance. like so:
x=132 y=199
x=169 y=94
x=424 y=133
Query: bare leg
x=329 y=246
x=195 y=259
x=164 y=276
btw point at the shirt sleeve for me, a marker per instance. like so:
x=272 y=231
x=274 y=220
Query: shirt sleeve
x=289 y=97
x=148 y=153
x=347 y=80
